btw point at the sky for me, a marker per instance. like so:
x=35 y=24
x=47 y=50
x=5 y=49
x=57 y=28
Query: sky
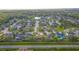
x=38 y=4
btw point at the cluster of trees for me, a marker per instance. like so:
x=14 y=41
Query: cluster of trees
x=3 y=18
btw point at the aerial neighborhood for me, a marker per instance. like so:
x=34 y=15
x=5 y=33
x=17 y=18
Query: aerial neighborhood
x=39 y=26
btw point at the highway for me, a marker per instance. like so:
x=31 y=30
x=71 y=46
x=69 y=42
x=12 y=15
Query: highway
x=39 y=46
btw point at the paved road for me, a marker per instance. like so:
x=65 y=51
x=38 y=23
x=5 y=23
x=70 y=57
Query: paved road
x=40 y=46
x=36 y=26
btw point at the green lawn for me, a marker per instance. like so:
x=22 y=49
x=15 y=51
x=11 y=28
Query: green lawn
x=54 y=49
x=8 y=49
x=41 y=49
x=36 y=43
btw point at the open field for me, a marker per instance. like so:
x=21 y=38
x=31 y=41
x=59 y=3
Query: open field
x=39 y=43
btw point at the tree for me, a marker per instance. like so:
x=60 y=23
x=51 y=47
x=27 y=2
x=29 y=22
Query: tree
x=3 y=18
x=73 y=38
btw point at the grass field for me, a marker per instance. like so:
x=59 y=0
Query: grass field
x=55 y=49
x=38 y=43
x=8 y=49
x=40 y=49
